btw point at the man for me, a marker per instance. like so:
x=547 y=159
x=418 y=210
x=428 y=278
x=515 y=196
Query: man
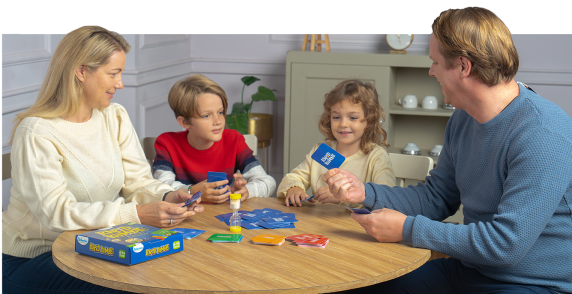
x=507 y=157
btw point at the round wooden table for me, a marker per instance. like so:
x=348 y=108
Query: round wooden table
x=352 y=259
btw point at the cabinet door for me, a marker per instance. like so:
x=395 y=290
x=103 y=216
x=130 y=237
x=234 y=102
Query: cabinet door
x=309 y=85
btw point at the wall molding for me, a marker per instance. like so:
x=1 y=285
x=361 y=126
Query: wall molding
x=143 y=107
x=39 y=55
x=150 y=41
x=545 y=76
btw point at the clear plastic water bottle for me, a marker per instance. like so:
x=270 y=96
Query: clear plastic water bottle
x=235 y=218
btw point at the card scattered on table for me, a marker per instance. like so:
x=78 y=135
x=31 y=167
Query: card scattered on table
x=188 y=233
x=225 y=238
x=328 y=157
x=309 y=240
x=267 y=239
x=266 y=218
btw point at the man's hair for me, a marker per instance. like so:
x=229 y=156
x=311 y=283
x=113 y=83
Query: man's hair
x=480 y=36
x=364 y=94
x=183 y=96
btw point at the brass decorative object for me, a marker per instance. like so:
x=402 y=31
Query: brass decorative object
x=260 y=125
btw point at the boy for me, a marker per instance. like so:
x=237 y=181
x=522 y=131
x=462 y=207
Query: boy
x=184 y=158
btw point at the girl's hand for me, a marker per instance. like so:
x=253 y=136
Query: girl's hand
x=324 y=196
x=295 y=195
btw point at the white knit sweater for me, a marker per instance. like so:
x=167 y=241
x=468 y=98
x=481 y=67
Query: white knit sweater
x=72 y=176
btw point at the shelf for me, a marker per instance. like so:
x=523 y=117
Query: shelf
x=424 y=152
x=399 y=110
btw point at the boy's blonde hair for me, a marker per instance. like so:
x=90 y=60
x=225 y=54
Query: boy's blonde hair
x=480 y=36
x=61 y=91
x=184 y=93
x=362 y=93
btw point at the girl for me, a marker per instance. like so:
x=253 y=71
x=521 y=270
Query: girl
x=351 y=125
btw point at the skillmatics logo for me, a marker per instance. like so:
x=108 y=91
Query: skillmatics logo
x=328 y=158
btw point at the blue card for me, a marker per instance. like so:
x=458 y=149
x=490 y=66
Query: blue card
x=215 y=177
x=252 y=226
x=281 y=219
x=193 y=199
x=307 y=198
x=328 y=157
x=188 y=233
x=359 y=210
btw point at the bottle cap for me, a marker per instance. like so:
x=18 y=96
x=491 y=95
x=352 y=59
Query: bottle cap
x=235 y=196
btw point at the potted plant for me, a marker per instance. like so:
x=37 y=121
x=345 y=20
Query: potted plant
x=240 y=115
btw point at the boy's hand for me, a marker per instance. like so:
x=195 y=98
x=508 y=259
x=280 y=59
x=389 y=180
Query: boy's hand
x=324 y=196
x=211 y=194
x=239 y=183
x=295 y=195
x=198 y=187
x=243 y=194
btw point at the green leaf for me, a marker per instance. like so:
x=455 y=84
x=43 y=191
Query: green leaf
x=231 y=122
x=249 y=80
x=264 y=94
x=242 y=119
x=239 y=107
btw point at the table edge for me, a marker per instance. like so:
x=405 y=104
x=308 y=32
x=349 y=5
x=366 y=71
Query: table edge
x=316 y=289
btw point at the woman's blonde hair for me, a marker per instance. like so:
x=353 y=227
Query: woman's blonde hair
x=61 y=91
x=365 y=94
x=183 y=96
x=480 y=36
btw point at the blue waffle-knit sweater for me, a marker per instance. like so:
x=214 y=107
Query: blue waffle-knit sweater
x=513 y=175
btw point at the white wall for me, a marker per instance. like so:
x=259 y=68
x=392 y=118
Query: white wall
x=156 y=62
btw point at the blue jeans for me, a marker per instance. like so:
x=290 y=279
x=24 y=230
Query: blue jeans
x=47 y=277
x=447 y=275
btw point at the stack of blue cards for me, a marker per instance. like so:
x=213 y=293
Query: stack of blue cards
x=188 y=233
x=215 y=177
x=266 y=218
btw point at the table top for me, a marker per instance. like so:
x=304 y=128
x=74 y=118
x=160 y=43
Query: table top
x=352 y=259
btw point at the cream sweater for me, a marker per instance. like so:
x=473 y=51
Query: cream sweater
x=373 y=167
x=72 y=176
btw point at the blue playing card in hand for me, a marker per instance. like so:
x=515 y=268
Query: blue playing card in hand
x=328 y=157
x=215 y=177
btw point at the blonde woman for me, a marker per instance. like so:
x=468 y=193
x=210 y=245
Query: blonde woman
x=77 y=164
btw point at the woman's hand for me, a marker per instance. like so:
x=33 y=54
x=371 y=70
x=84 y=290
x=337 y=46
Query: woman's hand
x=324 y=196
x=165 y=214
x=181 y=196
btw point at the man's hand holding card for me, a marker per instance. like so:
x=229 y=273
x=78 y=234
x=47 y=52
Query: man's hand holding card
x=328 y=158
x=345 y=186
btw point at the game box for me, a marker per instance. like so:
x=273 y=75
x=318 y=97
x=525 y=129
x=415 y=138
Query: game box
x=129 y=243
